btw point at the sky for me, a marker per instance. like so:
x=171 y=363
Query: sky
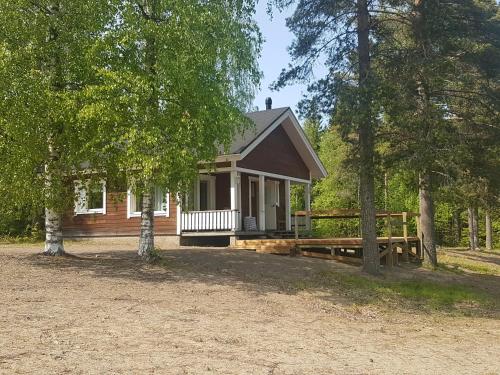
x=274 y=58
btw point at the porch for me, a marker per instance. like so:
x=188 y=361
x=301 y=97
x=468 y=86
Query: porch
x=238 y=202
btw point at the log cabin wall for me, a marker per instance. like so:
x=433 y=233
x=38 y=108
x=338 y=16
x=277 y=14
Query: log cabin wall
x=115 y=221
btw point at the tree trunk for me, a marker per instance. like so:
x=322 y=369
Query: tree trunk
x=147 y=239
x=427 y=221
x=470 y=224
x=489 y=232
x=457 y=226
x=54 y=244
x=473 y=228
x=476 y=228
x=371 y=259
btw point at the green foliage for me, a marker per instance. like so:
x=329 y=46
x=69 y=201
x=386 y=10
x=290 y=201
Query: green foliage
x=177 y=76
x=47 y=59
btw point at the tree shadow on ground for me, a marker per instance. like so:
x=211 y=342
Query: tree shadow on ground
x=261 y=274
x=482 y=256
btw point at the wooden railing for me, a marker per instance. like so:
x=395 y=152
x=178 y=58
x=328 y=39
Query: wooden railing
x=210 y=221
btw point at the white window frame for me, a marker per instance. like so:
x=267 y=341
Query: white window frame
x=81 y=189
x=131 y=213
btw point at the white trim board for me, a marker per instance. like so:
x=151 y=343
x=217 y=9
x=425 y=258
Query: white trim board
x=272 y=175
x=256 y=172
x=298 y=138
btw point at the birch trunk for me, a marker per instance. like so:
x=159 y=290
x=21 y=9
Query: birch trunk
x=371 y=258
x=427 y=220
x=147 y=239
x=489 y=232
x=54 y=244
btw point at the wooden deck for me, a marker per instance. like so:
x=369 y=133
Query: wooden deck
x=344 y=249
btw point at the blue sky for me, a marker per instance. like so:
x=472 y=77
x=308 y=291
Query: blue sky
x=274 y=58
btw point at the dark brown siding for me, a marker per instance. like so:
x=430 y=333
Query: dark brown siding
x=276 y=154
x=115 y=222
x=222 y=192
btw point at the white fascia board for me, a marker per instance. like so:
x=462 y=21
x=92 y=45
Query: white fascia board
x=272 y=175
x=265 y=133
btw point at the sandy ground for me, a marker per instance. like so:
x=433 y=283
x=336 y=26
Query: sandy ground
x=215 y=311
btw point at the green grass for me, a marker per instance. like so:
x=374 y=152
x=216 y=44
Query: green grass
x=452 y=262
x=20 y=239
x=406 y=294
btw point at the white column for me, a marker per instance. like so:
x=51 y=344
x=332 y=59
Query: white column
x=288 y=221
x=179 y=215
x=262 y=203
x=308 y=205
x=233 y=180
x=234 y=190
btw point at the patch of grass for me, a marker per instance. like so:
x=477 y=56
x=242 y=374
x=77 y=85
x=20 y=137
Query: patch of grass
x=457 y=262
x=405 y=293
x=20 y=239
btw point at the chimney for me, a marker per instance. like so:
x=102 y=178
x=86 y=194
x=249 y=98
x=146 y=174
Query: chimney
x=269 y=103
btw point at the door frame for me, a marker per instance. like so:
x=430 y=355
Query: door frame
x=250 y=180
x=273 y=185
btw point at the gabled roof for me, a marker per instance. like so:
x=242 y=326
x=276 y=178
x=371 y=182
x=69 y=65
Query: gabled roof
x=262 y=120
x=267 y=121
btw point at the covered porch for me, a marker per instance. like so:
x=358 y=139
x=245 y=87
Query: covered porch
x=234 y=201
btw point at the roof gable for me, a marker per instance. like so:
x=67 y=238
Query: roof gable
x=262 y=120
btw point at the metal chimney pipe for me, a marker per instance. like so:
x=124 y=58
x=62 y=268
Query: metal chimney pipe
x=269 y=103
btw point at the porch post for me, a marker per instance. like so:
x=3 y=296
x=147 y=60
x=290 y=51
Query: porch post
x=262 y=204
x=288 y=219
x=234 y=198
x=179 y=215
x=234 y=191
x=308 y=205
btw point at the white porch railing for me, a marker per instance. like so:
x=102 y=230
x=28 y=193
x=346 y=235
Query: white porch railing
x=206 y=221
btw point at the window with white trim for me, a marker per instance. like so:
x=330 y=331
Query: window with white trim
x=90 y=197
x=161 y=203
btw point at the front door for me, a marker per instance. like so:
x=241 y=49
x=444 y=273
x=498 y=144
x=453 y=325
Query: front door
x=271 y=202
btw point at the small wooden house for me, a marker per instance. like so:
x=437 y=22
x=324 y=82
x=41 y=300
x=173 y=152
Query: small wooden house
x=247 y=193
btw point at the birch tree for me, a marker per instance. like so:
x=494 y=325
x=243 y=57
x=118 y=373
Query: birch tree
x=179 y=76
x=46 y=61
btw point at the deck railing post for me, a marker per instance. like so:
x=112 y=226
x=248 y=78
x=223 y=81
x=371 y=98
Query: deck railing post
x=296 y=222
x=390 y=256
x=420 y=244
x=406 y=248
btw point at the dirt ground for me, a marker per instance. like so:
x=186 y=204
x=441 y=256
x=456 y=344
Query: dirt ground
x=219 y=311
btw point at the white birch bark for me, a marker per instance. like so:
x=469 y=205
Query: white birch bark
x=146 y=240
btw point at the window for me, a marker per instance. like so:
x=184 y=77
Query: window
x=161 y=203
x=203 y=195
x=90 y=197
